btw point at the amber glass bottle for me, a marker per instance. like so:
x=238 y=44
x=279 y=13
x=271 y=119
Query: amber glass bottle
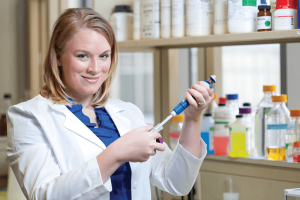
x=264 y=18
x=5 y=105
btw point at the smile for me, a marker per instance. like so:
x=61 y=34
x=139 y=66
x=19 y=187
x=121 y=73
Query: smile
x=91 y=80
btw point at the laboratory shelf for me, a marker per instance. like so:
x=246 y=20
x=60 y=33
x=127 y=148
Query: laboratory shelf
x=265 y=162
x=287 y=36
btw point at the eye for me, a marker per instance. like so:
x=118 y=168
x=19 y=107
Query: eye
x=104 y=56
x=82 y=56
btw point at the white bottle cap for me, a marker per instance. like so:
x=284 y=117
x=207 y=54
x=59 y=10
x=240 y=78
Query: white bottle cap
x=231 y=196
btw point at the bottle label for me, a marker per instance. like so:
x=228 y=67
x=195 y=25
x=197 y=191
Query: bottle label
x=284 y=21
x=165 y=15
x=235 y=11
x=196 y=10
x=150 y=19
x=177 y=14
x=275 y=135
x=264 y=22
x=221 y=129
x=277 y=126
x=249 y=2
x=241 y=10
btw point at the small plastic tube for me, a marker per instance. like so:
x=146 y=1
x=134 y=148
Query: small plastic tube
x=230 y=195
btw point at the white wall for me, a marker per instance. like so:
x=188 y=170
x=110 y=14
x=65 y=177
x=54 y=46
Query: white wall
x=293 y=75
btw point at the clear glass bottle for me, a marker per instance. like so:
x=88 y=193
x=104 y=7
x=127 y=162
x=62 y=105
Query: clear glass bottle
x=207 y=125
x=292 y=134
x=5 y=105
x=296 y=152
x=175 y=129
x=222 y=117
x=276 y=125
x=239 y=138
x=258 y=149
x=233 y=104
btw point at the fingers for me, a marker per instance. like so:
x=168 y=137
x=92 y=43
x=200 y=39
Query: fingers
x=190 y=99
x=145 y=128
x=206 y=85
x=198 y=95
x=157 y=146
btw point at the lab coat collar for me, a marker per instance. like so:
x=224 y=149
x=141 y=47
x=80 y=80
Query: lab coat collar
x=75 y=125
x=116 y=112
x=114 y=109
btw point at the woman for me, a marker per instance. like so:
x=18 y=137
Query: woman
x=72 y=142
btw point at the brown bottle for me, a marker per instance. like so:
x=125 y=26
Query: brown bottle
x=264 y=18
x=3 y=126
x=6 y=104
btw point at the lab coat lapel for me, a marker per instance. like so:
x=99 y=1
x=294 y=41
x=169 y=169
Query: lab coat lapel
x=117 y=113
x=75 y=125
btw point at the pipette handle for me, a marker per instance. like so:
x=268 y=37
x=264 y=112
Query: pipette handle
x=181 y=106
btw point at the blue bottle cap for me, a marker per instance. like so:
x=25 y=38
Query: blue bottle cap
x=232 y=96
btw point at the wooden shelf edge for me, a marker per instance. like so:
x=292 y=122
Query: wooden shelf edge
x=254 y=161
x=287 y=36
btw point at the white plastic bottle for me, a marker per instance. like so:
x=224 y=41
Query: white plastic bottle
x=277 y=123
x=165 y=19
x=122 y=23
x=233 y=105
x=150 y=10
x=258 y=149
x=248 y=121
x=239 y=136
x=178 y=19
x=207 y=126
x=211 y=107
x=222 y=117
x=220 y=17
x=137 y=19
x=242 y=16
x=285 y=19
x=199 y=15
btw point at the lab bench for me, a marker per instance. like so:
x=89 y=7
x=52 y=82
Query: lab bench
x=258 y=179
x=252 y=178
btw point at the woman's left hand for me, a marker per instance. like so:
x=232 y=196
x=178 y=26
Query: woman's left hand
x=203 y=94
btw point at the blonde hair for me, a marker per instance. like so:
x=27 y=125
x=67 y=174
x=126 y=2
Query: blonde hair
x=66 y=26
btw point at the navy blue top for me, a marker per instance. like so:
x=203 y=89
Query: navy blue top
x=108 y=133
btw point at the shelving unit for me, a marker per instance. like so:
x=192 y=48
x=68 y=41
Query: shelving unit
x=267 y=179
x=288 y=36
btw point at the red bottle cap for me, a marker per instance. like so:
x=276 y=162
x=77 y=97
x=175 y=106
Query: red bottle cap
x=222 y=100
x=297 y=144
x=286 y=4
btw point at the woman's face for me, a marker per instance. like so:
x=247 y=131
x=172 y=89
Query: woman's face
x=85 y=63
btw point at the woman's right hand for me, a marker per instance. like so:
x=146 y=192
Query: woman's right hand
x=137 y=145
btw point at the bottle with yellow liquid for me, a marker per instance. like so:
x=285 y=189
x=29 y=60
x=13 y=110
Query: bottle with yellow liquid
x=276 y=124
x=239 y=138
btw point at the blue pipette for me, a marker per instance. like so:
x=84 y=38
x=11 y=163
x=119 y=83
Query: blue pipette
x=177 y=110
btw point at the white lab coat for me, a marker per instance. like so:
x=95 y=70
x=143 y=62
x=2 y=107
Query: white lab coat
x=53 y=154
